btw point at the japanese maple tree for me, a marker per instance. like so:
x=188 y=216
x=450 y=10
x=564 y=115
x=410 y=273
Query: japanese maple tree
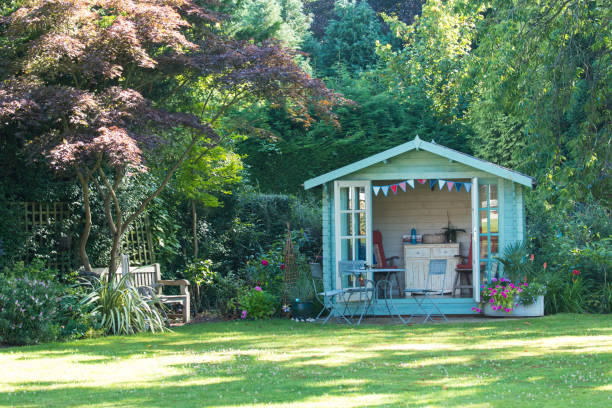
x=86 y=85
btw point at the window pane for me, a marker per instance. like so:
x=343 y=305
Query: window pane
x=346 y=246
x=361 y=249
x=494 y=245
x=360 y=223
x=493 y=193
x=483 y=195
x=484 y=225
x=344 y=198
x=346 y=224
x=484 y=247
x=494 y=221
x=361 y=196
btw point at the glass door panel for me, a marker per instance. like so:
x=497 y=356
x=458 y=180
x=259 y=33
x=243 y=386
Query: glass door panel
x=488 y=214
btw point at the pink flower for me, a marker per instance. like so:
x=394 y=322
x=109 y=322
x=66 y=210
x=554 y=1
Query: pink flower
x=243 y=315
x=525 y=284
x=492 y=301
x=257 y=288
x=264 y=262
x=575 y=272
x=532 y=256
x=544 y=265
x=282 y=266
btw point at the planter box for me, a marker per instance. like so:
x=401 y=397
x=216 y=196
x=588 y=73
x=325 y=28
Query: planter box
x=533 y=310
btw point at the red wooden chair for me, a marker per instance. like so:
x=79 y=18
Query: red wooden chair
x=463 y=278
x=379 y=253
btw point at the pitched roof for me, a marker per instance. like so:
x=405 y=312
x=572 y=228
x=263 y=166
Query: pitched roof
x=418 y=144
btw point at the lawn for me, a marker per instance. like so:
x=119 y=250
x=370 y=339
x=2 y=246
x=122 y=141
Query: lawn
x=555 y=361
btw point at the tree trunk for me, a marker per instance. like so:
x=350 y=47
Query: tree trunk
x=114 y=255
x=194 y=225
x=87 y=227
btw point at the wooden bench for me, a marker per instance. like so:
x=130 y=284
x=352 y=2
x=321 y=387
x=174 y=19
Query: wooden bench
x=149 y=276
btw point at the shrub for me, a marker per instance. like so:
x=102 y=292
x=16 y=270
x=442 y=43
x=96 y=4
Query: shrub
x=255 y=303
x=566 y=293
x=211 y=290
x=119 y=308
x=29 y=309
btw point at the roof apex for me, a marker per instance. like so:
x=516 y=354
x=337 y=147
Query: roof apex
x=416 y=144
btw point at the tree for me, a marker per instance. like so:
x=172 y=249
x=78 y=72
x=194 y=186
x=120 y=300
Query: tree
x=350 y=39
x=260 y=20
x=87 y=81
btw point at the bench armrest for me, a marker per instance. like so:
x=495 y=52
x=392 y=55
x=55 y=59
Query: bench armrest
x=183 y=283
x=178 y=282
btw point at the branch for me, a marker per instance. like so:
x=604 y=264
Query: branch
x=163 y=184
x=111 y=191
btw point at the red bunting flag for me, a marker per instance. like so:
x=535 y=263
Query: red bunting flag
x=422 y=181
x=394 y=188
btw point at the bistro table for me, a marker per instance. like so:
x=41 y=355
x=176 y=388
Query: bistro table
x=366 y=300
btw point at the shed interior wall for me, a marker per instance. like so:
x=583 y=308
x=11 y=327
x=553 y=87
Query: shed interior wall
x=424 y=210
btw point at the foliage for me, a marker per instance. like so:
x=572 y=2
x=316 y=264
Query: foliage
x=259 y=20
x=350 y=39
x=79 y=89
x=29 y=310
x=119 y=308
x=256 y=303
x=303 y=288
x=566 y=292
x=266 y=271
x=381 y=118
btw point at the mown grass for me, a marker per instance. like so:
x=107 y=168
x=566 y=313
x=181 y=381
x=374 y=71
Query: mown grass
x=555 y=361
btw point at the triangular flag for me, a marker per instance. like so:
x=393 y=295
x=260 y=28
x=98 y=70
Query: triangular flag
x=410 y=182
x=468 y=186
x=385 y=189
x=394 y=188
x=422 y=181
x=376 y=189
x=458 y=186
x=450 y=185
x=441 y=184
x=403 y=186
x=432 y=183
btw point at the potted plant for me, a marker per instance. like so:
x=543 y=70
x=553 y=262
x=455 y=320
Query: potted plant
x=503 y=298
x=302 y=295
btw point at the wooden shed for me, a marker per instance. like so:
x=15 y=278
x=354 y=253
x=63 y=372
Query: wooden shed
x=426 y=187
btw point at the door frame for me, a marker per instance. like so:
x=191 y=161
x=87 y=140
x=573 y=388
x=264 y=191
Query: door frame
x=475 y=241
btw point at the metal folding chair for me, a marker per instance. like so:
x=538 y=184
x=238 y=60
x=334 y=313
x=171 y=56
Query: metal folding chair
x=350 y=274
x=327 y=298
x=423 y=296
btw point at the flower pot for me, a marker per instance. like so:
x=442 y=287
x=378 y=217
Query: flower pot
x=302 y=309
x=533 y=310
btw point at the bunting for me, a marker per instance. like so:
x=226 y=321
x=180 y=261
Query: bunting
x=457 y=185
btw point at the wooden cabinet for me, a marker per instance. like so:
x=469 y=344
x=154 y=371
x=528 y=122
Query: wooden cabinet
x=416 y=264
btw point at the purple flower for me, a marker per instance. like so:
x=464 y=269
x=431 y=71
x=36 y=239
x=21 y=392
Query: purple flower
x=492 y=301
x=493 y=279
x=257 y=288
x=243 y=315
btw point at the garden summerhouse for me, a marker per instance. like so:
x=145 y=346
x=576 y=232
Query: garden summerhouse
x=417 y=202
